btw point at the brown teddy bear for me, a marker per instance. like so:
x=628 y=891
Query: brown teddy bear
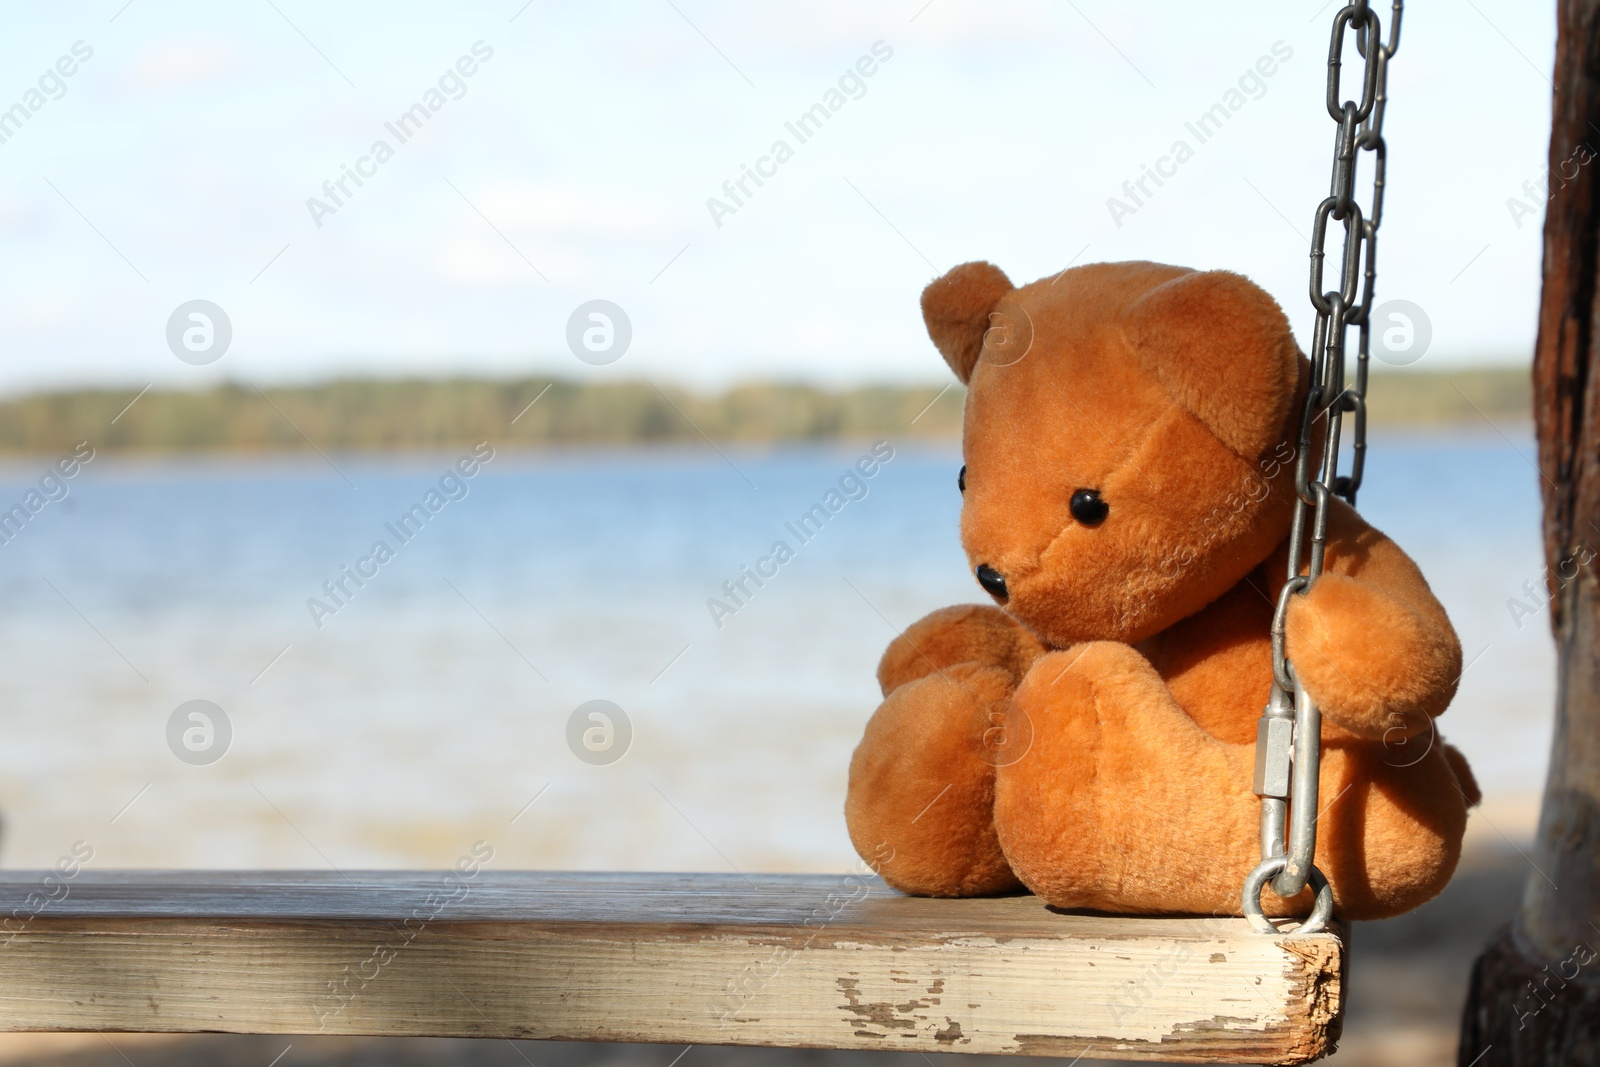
x=1129 y=441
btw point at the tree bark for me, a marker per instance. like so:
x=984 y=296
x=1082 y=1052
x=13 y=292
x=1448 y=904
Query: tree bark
x=1535 y=992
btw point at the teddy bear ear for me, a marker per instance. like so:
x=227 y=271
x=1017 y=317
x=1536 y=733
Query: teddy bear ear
x=1222 y=348
x=956 y=309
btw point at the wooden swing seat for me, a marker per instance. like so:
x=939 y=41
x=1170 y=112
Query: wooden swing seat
x=815 y=961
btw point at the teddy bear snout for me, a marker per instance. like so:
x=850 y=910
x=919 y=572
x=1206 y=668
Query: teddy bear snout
x=993 y=582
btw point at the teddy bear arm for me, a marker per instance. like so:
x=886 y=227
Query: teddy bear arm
x=1370 y=641
x=967 y=633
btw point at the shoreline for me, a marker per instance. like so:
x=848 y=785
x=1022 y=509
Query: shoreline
x=371 y=414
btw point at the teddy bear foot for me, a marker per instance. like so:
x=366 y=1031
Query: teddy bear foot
x=920 y=806
x=1392 y=819
x=1122 y=802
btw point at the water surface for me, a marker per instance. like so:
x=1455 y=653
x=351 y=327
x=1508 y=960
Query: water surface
x=430 y=708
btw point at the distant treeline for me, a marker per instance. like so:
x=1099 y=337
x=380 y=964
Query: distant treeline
x=374 y=414
x=1445 y=397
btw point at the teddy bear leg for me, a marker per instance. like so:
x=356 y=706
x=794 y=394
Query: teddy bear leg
x=920 y=806
x=1121 y=802
x=1389 y=833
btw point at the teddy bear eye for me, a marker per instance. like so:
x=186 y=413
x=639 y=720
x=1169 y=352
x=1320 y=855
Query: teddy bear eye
x=961 y=479
x=1088 y=508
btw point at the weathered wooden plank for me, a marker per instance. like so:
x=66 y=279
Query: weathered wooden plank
x=793 y=960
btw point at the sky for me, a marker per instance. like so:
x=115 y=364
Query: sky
x=185 y=159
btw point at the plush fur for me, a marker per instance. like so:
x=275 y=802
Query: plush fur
x=1092 y=737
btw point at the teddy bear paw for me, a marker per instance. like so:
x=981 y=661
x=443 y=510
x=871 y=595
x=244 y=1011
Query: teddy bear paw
x=920 y=805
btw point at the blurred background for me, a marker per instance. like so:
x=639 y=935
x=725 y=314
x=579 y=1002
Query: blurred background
x=274 y=272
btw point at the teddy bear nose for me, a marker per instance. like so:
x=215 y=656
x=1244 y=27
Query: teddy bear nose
x=992 y=581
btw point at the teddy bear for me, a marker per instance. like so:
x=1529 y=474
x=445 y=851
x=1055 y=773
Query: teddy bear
x=1130 y=436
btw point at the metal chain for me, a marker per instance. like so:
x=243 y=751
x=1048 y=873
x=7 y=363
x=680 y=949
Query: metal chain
x=1289 y=735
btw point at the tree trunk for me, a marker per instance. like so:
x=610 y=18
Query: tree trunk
x=1535 y=992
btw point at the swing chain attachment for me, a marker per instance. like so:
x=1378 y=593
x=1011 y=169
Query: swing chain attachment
x=1289 y=733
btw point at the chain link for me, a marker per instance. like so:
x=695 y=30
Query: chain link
x=1289 y=735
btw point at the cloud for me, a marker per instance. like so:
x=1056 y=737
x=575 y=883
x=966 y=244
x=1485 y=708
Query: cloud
x=558 y=209
x=485 y=260
x=181 y=62
x=827 y=25
x=19 y=219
